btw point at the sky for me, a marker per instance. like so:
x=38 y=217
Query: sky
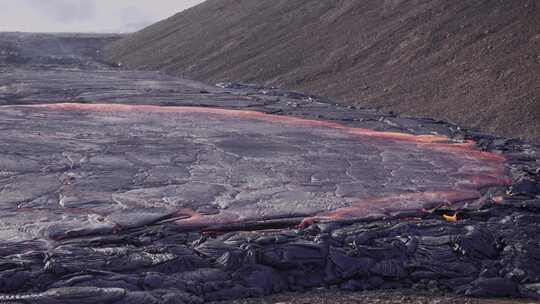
x=86 y=15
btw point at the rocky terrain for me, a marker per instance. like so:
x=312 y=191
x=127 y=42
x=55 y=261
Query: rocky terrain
x=472 y=62
x=123 y=186
x=373 y=297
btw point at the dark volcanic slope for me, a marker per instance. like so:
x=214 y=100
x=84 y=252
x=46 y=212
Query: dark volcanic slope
x=473 y=62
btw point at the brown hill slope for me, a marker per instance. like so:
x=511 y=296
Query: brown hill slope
x=473 y=62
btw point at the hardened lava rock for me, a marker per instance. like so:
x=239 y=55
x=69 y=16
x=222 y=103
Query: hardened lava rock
x=135 y=187
x=149 y=204
x=71 y=170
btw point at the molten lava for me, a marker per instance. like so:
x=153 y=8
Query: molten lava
x=202 y=167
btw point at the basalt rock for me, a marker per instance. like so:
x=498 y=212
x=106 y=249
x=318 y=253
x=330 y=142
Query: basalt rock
x=135 y=187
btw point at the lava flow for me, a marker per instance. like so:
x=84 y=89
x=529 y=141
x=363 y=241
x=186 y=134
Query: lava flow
x=202 y=167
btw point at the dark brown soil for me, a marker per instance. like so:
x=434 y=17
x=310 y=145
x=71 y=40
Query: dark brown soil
x=472 y=62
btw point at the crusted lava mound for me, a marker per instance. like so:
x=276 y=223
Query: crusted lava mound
x=72 y=170
x=121 y=186
x=473 y=62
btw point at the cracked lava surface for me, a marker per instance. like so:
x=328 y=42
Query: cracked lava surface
x=70 y=170
x=106 y=202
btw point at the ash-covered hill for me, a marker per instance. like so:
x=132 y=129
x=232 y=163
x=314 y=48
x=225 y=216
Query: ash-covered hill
x=473 y=62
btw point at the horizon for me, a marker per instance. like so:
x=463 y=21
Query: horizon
x=86 y=16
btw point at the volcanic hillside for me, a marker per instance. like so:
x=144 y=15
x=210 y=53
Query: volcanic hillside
x=472 y=62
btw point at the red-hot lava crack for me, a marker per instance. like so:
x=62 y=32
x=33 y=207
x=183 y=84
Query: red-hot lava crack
x=87 y=169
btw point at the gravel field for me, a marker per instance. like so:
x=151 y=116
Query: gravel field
x=373 y=297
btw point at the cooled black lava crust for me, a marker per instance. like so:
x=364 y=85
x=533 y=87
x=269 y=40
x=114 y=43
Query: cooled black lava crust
x=193 y=193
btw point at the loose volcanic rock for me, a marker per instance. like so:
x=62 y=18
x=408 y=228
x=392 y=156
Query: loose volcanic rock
x=473 y=62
